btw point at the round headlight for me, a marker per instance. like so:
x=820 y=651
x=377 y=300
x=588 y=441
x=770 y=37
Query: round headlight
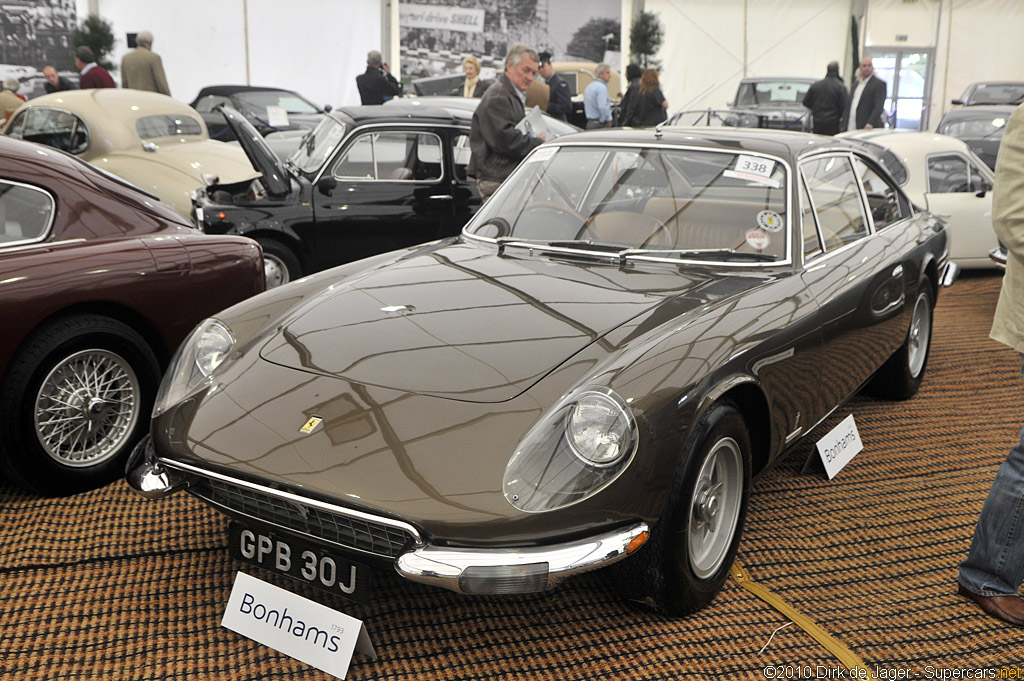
x=599 y=430
x=194 y=363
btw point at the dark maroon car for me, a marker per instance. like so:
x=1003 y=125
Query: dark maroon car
x=99 y=283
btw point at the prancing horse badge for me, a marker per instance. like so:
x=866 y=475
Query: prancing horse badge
x=311 y=425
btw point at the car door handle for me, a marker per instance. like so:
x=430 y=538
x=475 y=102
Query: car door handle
x=441 y=197
x=897 y=272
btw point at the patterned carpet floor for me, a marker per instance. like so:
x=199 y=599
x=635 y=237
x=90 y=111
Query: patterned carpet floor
x=105 y=585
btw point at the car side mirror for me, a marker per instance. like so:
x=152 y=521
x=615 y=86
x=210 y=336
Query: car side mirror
x=326 y=185
x=327 y=108
x=957 y=101
x=982 y=193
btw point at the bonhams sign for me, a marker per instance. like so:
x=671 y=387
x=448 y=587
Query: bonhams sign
x=435 y=16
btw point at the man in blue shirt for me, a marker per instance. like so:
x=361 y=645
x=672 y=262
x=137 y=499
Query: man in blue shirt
x=597 y=104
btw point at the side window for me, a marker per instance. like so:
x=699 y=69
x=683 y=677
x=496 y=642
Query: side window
x=948 y=174
x=883 y=199
x=208 y=102
x=392 y=156
x=58 y=129
x=833 y=189
x=812 y=245
x=461 y=154
x=25 y=213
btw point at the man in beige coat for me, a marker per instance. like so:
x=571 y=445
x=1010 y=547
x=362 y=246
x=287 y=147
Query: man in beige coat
x=142 y=69
x=994 y=569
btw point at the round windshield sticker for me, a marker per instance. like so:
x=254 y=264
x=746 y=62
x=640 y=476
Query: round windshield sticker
x=770 y=221
x=758 y=240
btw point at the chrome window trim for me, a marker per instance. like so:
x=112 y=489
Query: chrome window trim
x=358 y=129
x=5 y=245
x=33 y=110
x=865 y=213
x=787 y=261
x=295 y=498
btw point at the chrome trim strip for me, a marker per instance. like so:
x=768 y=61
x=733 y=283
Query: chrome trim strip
x=295 y=498
x=442 y=566
x=21 y=246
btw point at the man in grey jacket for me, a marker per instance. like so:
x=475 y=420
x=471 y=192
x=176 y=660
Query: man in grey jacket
x=142 y=69
x=497 y=145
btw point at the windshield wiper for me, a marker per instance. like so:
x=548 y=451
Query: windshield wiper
x=698 y=253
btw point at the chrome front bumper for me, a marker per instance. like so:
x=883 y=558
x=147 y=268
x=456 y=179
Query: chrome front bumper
x=463 y=570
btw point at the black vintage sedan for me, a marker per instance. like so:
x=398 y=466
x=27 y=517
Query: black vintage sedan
x=981 y=127
x=365 y=181
x=631 y=330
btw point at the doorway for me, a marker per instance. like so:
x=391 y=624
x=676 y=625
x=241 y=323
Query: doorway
x=908 y=75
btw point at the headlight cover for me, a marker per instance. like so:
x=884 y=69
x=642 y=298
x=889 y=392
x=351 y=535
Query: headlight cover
x=194 y=363
x=577 y=449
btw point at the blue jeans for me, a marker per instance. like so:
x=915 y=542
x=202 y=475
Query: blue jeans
x=995 y=563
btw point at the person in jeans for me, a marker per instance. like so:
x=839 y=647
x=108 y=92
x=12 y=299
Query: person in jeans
x=994 y=569
x=597 y=103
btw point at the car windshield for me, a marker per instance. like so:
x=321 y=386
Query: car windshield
x=998 y=93
x=684 y=204
x=774 y=93
x=975 y=128
x=257 y=101
x=319 y=145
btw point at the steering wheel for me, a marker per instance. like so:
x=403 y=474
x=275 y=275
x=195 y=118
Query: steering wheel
x=659 y=230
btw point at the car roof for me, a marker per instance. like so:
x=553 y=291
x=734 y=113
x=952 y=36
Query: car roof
x=902 y=141
x=773 y=79
x=784 y=143
x=110 y=113
x=398 y=113
x=232 y=89
x=979 y=111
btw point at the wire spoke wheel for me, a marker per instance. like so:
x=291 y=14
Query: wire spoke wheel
x=87 y=407
x=715 y=507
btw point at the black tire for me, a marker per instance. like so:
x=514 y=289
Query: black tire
x=901 y=375
x=280 y=264
x=693 y=545
x=74 y=401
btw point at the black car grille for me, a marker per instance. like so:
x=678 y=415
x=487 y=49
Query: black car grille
x=363 y=535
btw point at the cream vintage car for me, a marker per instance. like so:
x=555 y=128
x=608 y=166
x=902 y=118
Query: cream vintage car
x=942 y=174
x=151 y=140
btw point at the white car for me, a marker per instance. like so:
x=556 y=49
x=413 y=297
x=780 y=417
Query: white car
x=942 y=174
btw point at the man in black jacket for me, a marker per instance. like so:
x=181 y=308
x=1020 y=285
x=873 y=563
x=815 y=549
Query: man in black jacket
x=497 y=146
x=867 y=98
x=377 y=85
x=559 y=100
x=827 y=101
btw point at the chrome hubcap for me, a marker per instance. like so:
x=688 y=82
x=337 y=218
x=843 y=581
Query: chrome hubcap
x=920 y=333
x=274 y=271
x=715 y=508
x=87 y=407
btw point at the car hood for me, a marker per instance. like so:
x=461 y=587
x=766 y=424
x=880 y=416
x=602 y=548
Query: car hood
x=458 y=322
x=262 y=158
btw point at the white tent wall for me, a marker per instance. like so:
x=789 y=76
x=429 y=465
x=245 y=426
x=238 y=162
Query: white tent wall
x=710 y=45
x=316 y=47
x=978 y=40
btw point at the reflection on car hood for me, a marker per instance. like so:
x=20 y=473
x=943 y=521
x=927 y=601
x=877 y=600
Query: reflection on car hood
x=461 y=323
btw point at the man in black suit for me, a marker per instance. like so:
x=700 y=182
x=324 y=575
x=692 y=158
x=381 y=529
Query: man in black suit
x=559 y=100
x=377 y=85
x=867 y=99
